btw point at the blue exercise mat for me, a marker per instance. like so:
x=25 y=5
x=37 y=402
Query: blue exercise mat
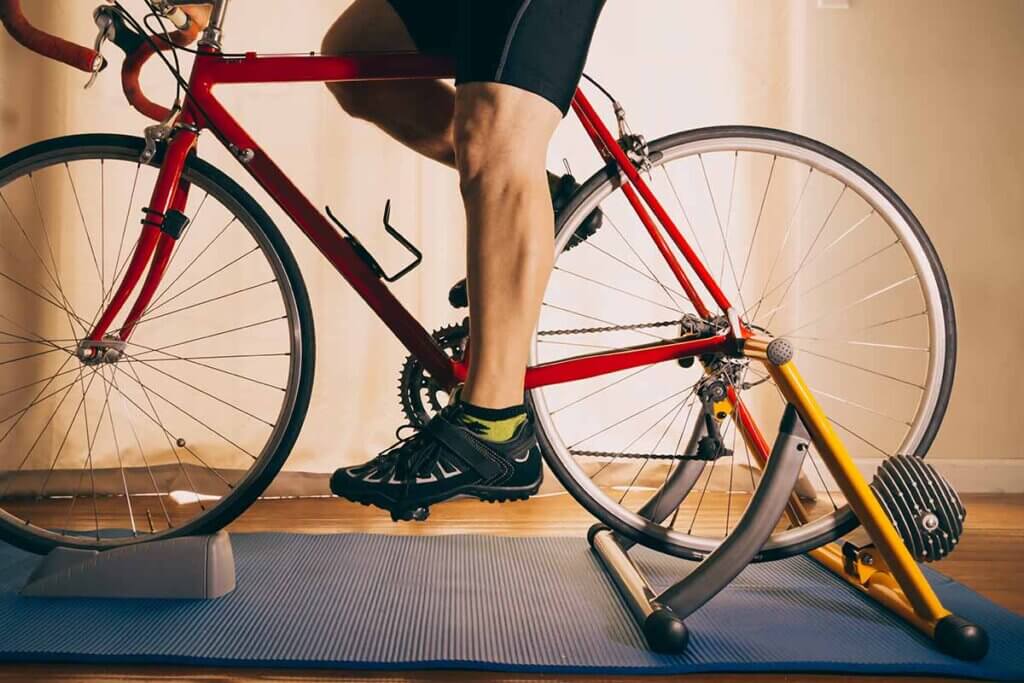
x=479 y=602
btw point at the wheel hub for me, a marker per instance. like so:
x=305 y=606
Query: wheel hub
x=109 y=350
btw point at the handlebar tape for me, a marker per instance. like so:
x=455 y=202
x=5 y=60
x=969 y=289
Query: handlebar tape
x=133 y=66
x=44 y=43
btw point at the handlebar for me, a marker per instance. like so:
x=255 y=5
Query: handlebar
x=48 y=45
x=137 y=50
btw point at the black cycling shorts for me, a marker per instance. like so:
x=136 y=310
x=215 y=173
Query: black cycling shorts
x=537 y=45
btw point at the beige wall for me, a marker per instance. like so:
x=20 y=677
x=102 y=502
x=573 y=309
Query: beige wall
x=928 y=93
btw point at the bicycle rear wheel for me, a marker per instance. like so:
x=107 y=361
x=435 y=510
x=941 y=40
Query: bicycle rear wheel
x=183 y=432
x=808 y=245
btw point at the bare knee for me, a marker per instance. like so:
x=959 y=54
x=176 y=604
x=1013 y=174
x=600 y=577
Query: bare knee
x=487 y=167
x=501 y=136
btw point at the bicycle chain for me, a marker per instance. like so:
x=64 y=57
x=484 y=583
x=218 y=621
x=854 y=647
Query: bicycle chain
x=637 y=456
x=610 y=328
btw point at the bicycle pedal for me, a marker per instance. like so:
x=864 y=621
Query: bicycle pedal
x=419 y=514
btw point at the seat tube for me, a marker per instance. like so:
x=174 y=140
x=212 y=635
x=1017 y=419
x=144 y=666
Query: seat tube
x=154 y=246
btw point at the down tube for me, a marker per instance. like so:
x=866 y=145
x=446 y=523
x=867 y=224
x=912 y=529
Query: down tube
x=331 y=244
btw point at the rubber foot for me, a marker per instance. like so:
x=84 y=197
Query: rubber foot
x=665 y=632
x=960 y=638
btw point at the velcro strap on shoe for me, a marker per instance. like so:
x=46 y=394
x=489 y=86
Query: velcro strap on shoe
x=468 y=451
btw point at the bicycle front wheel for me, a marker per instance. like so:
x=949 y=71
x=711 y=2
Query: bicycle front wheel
x=189 y=426
x=808 y=245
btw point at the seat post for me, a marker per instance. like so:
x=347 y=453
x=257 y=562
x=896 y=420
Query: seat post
x=214 y=33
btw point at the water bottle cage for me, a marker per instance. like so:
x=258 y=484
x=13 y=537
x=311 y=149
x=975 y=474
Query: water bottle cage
x=368 y=258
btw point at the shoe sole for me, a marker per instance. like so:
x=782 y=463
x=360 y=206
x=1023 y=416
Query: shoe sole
x=421 y=511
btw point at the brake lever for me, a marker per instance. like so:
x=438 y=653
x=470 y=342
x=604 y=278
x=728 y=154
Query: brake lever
x=105 y=23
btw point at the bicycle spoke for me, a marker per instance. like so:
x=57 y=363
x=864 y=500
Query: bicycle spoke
x=49 y=243
x=726 y=254
x=782 y=244
x=172 y=439
x=40 y=296
x=36 y=400
x=203 y=303
x=644 y=275
x=67 y=433
x=206 y=393
x=803 y=261
x=171 y=443
x=654 y=448
x=35 y=442
x=217 y=334
x=664 y=288
x=672 y=468
x=858 y=302
x=638 y=297
x=629 y=417
x=52 y=275
x=194 y=360
x=686 y=218
x=120 y=247
x=877 y=373
x=85 y=227
x=120 y=462
x=757 y=224
x=820 y=392
x=604 y=388
x=142 y=454
x=159 y=297
x=149 y=390
x=842 y=272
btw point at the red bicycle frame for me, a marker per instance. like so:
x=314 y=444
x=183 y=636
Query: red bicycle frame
x=202 y=110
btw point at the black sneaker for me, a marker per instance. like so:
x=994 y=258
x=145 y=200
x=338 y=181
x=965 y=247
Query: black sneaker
x=443 y=460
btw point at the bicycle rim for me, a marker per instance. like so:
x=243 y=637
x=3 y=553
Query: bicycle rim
x=784 y=176
x=185 y=437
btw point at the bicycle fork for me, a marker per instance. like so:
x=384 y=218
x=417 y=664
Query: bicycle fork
x=162 y=224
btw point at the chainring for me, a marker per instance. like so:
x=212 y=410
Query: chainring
x=421 y=397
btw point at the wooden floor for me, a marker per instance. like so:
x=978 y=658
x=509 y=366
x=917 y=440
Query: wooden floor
x=988 y=561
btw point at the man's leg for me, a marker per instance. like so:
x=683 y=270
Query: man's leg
x=483 y=445
x=417 y=113
x=518 y=65
x=501 y=140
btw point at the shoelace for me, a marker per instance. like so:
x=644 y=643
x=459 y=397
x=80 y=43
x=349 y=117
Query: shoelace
x=408 y=456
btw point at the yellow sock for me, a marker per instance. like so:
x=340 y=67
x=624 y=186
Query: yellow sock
x=496 y=425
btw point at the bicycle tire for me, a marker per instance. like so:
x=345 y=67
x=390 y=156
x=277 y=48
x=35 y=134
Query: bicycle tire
x=255 y=218
x=608 y=180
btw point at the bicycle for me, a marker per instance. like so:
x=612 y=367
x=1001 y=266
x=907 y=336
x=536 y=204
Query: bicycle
x=825 y=248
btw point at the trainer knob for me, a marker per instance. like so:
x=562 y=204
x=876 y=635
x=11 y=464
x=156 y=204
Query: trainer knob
x=780 y=351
